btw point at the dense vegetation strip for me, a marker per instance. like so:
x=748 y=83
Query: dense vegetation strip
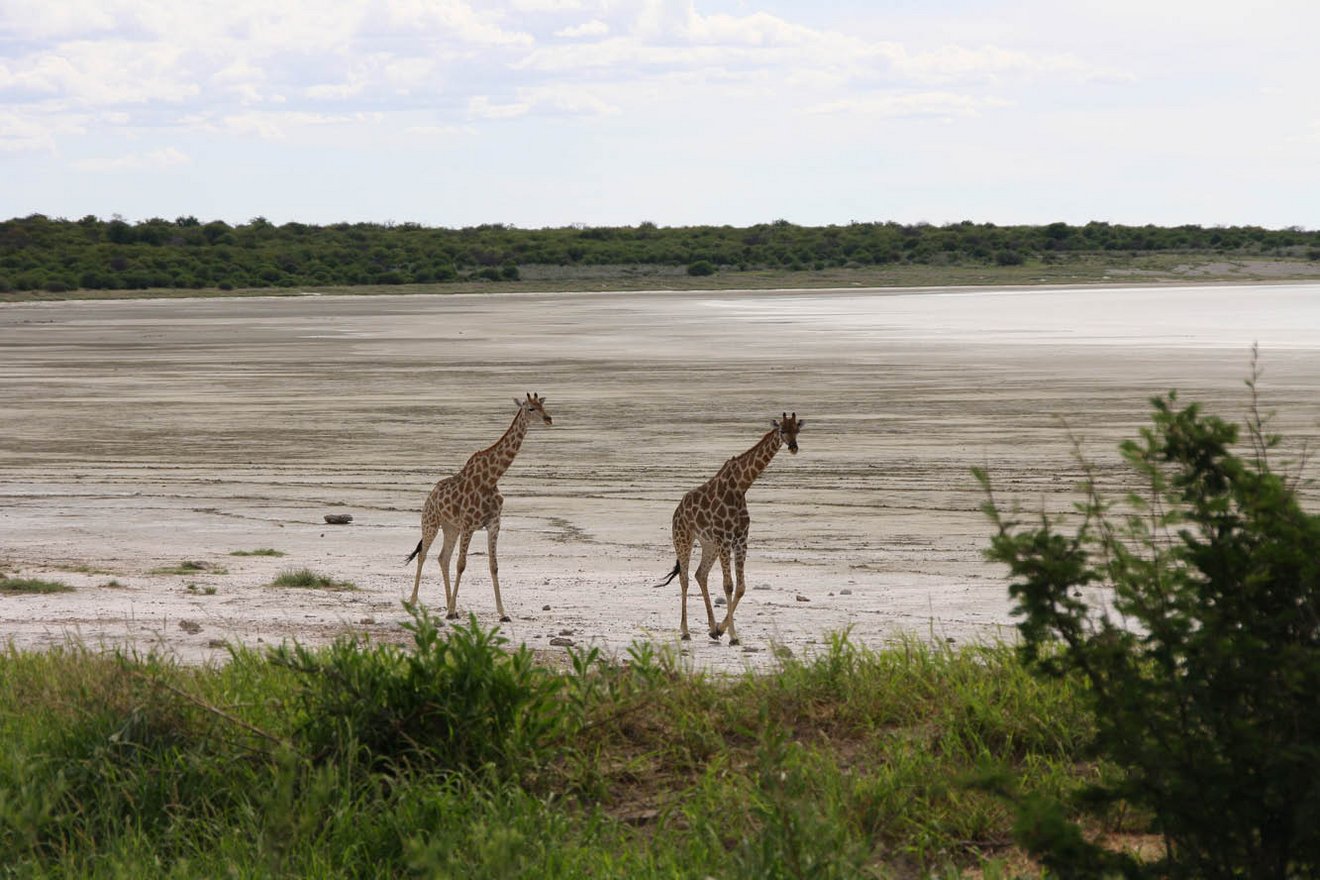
x=38 y=253
x=459 y=756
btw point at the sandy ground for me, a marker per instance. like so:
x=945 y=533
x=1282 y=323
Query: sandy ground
x=141 y=434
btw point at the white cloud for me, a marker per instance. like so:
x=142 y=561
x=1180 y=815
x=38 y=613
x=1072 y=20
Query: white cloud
x=455 y=18
x=103 y=73
x=481 y=107
x=593 y=28
x=25 y=130
x=546 y=5
x=276 y=125
x=168 y=157
x=41 y=19
x=946 y=105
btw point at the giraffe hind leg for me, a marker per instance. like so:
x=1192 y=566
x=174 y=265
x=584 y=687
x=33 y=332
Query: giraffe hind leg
x=739 y=560
x=423 y=547
x=729 y=600
x=446 y=552
x=683 y=549
x=492 y=536
x=463 y=540
x=709 y=553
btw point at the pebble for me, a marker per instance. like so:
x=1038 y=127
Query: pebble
x=845 y=592
x=802 y=598
x=560 y=642
x=545 y=607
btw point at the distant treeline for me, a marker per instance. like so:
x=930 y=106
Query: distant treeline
x=40 y=253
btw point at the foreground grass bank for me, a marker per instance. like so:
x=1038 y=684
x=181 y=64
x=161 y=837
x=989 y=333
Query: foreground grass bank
x=458 y=756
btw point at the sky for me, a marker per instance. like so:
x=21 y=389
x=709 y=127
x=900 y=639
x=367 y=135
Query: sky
x=541 y=113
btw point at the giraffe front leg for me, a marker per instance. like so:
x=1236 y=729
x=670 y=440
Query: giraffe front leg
x=492 y=535
x=703 y=574
x=463 y=541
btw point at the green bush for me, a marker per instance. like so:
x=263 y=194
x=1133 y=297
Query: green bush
x=701 y=267
x=1192 y=612
x=460 y=702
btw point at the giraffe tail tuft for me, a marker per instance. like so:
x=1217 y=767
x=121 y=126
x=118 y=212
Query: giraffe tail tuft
x=413 y=555
x=673 y=574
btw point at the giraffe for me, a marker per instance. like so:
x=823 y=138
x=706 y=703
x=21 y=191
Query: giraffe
x=468 y=501
x=715 y=514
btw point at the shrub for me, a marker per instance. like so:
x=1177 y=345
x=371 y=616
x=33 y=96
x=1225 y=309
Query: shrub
x=1203 y=660
x=456 y=703
x=701 y=267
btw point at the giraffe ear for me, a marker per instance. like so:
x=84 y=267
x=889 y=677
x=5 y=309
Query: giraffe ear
x=774 y=423
x=801 y=422
x=518 y=403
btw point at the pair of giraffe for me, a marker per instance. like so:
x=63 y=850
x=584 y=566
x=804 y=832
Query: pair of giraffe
x=714 y=515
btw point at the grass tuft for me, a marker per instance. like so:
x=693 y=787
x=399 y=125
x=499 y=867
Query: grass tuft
x=260 y=551
x=191 y=566
x=32 y=585
x=305 y=578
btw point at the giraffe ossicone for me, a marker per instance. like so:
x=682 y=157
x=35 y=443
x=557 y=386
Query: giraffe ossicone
x=715 y=516
x=469 y=501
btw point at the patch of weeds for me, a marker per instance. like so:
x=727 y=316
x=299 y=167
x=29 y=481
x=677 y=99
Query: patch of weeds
x=200 y=591
x=260 y=551
x=305 y=578
x=32 y=585
x=113 y=584
x=85 y=569
x=191 y=566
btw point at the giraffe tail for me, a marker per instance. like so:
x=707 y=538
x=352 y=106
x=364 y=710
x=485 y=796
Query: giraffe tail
x=413 y=555
x=673 y=574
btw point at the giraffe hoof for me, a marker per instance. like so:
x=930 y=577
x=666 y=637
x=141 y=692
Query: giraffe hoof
x=715 y=634
x=453 y=615
x=733 y=642
x=685 y=637
x=506 y=619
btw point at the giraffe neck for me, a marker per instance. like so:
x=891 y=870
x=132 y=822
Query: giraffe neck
x=497 y=458
x=745 y=468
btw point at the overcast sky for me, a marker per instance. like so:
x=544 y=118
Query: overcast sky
x=613 y=112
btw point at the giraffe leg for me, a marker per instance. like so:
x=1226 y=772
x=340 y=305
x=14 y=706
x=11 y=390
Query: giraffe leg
x=427 y=537
x=708 y=554
x=683 y=549
x=464 y=540
x=492 y=535
x=446 y=553
x=739 y=559
x=728 y=599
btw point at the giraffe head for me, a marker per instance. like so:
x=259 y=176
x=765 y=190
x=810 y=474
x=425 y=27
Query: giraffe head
x=533 y=405
x=788 y=426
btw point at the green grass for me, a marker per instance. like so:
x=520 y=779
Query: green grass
x=32 y=585
x=191 y=566
x=458 y=755
x=305 y=578
x=261 y=551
